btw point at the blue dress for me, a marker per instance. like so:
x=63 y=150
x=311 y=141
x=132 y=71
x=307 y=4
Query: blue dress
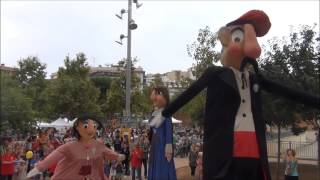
x=159 y=167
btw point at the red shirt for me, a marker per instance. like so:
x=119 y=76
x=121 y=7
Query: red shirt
x=7 y=169
x=136 y=157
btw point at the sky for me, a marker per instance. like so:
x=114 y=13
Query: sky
x=51 y=30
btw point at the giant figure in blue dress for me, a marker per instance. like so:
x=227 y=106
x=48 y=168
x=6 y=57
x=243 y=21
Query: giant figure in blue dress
x=161 y=164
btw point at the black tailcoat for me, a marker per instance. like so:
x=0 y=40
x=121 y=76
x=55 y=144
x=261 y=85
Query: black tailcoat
x=222 y=103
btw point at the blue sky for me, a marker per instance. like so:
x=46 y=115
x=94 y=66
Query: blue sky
x=51 y=30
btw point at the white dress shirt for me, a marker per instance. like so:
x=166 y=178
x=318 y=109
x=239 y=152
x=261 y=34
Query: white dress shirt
x=244 y=119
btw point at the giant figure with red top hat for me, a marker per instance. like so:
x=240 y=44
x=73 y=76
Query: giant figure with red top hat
x=234 y=129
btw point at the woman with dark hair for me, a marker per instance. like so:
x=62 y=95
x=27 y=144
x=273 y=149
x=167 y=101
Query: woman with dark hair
x=80 y=159
x=161 y=164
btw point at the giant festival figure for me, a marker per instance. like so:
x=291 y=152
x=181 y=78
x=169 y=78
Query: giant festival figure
x=234 y=129
x=161 y=164
x=82 y=159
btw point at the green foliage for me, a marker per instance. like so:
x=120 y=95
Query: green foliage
x=103 y=84
x=31 y=74
x=115 y=98
x=115 y=104
x=157 y=81
x=16 y=108
x=72 y=93
x=295 y=61
x=203 y=53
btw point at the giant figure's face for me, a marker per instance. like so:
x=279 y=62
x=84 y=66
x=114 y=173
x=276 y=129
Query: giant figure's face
x=238 y=41
x=87 y=129
x=158 y=99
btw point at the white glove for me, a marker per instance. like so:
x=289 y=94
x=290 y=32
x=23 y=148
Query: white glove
x=168 y=152
x=121 y=157
x=33 y=172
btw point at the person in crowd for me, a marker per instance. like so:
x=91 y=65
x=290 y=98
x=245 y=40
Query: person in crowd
x=117 y=142
x=113 y=170
x=291 y=162
x=136 y=161
x=7 y=163
x=81 y=159
x=193 y=155
x=126 y=152
x=145 y=148
x=199 y=169
x=119 y=171
x=107 y=164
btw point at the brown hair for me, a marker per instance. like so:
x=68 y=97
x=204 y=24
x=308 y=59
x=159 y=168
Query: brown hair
x=83 y=118
x=293 y=152
x=161 y=90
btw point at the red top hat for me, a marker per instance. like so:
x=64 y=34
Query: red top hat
x=257 y=18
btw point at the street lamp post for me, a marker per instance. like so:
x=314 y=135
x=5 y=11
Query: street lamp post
x=131 y=26
x=128 y=72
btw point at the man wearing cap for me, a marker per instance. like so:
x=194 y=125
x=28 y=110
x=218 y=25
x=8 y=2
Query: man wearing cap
x=234 y=129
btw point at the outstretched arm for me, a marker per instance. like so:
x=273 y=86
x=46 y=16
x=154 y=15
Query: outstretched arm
x=111 y=155
x=293 y=94
x=192 y=91
x=169 y=139
x=53 y=158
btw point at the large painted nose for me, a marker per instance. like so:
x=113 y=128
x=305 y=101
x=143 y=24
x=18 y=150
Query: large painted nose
x=251 y=46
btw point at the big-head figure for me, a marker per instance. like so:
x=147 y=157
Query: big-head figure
x=234 y=129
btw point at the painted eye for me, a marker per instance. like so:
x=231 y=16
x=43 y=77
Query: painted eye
x=237 y=35
x=85 y=126
x=95 y=125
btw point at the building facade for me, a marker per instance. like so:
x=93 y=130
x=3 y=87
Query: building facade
x=8 y=70
x=112 y=71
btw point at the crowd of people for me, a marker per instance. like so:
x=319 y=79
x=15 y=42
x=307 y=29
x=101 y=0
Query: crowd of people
x=132 y=142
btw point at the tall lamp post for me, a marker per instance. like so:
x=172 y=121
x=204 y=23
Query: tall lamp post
x=131 y=26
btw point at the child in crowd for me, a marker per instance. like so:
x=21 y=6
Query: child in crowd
x=199 y=169
x=291 y=162
x=193 y=155
x=136 y=161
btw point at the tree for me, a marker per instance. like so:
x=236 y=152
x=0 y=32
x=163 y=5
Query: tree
x=16 y=108
x=203 y=51
x=103 y=84
x=31 y=74
x=115 y=104
x=204 y=54
x=295 y=62
x=157 y=81
x=72 y=93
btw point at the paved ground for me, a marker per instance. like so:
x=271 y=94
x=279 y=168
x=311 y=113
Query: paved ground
x=308 y=170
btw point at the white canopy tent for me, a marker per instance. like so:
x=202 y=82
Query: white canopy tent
x=61 y=122
x=43 y=124
x=72 y=122
x=174 y=121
